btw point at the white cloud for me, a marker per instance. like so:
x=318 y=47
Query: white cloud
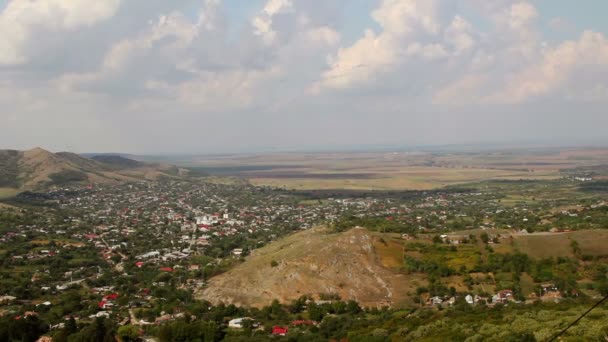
x=460 y=35
x=556 y=67
x=262 y=23
x=323 y=35
x=22 y=19
x=405 y=16
x=521 y=15
x=293 y=65
x=379 y=52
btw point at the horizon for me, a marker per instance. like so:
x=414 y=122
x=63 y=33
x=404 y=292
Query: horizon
x=380 y=148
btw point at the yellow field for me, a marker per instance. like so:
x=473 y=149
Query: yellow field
x=413 y=170
x=7 y=192
x=394 y=178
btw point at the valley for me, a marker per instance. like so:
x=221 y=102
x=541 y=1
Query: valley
x=146 y=244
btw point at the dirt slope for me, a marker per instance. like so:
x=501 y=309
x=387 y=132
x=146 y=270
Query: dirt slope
x=310 y=262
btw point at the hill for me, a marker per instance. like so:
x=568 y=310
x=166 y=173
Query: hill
x=117 y=161
x=37 y=169
x=369 y=267
x=311 y=262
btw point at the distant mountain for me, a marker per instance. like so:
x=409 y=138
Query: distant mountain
x=37 y=169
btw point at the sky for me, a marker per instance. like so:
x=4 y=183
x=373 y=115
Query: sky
x=205 y=76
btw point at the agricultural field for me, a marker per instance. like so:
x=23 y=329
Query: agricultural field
x=419 y=170
x=7 y=192
x=552 y=245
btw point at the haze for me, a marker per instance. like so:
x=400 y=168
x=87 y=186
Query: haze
x=185 y=76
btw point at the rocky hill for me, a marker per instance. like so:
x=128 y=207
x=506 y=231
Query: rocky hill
x=311 y=262
x=37 y=169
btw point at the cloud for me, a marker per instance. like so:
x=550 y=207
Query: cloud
x=21 y=20
x=379 y=52
x=264 y=21
x=290 y=70
x=558 y=66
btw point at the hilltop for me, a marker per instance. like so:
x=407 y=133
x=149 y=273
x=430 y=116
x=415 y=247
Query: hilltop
x=372 y=268
x=37 y=169
x=311 y=262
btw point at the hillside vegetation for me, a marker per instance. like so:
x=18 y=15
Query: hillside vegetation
x=37 y=169
x=382 y=269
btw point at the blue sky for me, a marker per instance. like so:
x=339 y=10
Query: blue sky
x=581 y=15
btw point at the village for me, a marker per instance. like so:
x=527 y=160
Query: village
x=136 y=253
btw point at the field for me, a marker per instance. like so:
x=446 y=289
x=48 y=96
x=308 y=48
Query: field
x=545 y=245
x=405 y=178
x=7 y=192
x=413 y=170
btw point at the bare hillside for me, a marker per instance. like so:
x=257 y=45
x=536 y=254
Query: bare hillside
x=311 y=262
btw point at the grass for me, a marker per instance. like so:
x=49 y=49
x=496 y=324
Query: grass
x=464 y=255
x=527 y=283
x=591 y=242
x=8 y=192
x=390 y=250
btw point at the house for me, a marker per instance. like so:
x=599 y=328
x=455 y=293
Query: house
x=406 y=236
x=237 y=323
x=505 y=295
x=548 y=287
x=469 y=299
x=301 y=322
x=45 y=339
x=111 y=296
x=435 y=300
x=6 y=299
x=105 y=304
x=103 y=314
x=279 y=331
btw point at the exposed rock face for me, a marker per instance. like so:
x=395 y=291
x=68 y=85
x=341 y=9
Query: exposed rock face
x=309 y=262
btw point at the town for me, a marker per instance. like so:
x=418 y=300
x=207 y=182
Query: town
x=137 y=253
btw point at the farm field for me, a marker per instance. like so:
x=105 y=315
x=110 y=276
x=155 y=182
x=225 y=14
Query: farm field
x=545 y=245
x=7 y=192
x=406 y=178
x=417 y=170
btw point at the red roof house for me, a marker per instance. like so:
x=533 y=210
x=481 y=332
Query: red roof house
x=111 y=296
x=279 y=331
x=302 y=322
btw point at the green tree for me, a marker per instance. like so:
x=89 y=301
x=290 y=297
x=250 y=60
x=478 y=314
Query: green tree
x=128 y=333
